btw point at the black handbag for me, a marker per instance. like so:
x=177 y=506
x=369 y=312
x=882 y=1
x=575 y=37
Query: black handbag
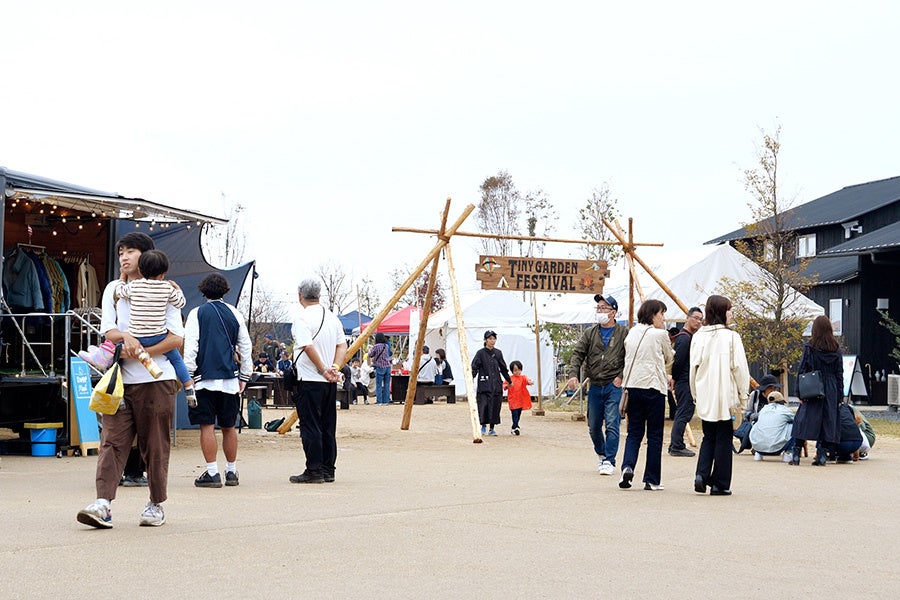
x=743 y=434
x=811 y=386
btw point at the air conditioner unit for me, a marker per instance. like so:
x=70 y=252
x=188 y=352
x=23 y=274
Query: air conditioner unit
x=893 y=392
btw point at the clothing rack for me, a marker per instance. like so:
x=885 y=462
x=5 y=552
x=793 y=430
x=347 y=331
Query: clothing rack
x=74 y=257
x=31 y=247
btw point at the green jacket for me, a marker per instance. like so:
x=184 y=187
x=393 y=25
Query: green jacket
x=600 y=365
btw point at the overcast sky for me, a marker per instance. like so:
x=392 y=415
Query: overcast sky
x=334 y=121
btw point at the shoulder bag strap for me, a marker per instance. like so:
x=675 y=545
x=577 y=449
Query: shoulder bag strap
x=222 y=321
x=302 y=350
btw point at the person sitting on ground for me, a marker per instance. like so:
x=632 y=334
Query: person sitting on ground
x=850 y=434
x=868 y=434
x=759 y=398
x=771 y=435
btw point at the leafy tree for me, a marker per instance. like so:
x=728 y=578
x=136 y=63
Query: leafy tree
x=540 y=221
x=894 y=328
x=498 y=213
x=769 y=310
x=337 y=296
x=601 y=205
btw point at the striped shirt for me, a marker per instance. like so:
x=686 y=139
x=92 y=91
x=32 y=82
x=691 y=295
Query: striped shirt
x=149 y=298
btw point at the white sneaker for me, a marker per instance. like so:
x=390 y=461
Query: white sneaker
x=787 y=457
x=757 y=456
x=607 y=468
x=96 y=515
x=600 y=461
x=153 y=515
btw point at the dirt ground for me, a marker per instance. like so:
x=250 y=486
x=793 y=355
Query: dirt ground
x=427 y=513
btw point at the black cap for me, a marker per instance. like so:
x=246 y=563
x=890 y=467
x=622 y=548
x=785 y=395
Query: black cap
x=490 y=333
x=769 y=381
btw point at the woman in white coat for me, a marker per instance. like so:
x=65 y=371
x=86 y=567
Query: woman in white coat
x=720 y=382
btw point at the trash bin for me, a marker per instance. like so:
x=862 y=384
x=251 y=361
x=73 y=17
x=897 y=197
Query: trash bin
x=254 y=414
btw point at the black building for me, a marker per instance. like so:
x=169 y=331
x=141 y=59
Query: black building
x=851 y=238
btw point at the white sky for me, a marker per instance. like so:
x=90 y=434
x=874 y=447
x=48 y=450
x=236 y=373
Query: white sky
x=334 y=121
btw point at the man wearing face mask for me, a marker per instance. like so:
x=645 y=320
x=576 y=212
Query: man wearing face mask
x=600 y=353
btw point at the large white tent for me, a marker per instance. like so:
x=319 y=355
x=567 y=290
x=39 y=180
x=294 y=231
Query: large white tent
x=512 y=320
x=696 y=283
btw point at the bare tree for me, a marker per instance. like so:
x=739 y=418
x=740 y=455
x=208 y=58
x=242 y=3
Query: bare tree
x=498 y=212
x=224 y=245
x=367 y=297
x=266 y=312
x=338 y=294
x=601 y=205
x=415 y=295
x=769 y=311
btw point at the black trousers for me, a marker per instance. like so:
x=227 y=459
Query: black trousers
x=714 y=459
x=315 y=403
x=684 y=412
x=489 y=404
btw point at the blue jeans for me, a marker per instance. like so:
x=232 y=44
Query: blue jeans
x=603 y=407
x=383 y=385
x=173 y=355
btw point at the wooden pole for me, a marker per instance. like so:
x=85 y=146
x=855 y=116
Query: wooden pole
x=464 y=352
x=649 y=271
x=527 y=238
x=364 y=335
x=423 y=327
x=539 y=411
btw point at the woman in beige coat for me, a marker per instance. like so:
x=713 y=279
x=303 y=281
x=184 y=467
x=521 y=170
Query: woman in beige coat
x=648 y=370
x=720 y=381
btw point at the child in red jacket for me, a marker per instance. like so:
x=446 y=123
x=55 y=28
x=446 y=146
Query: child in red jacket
x=518 y=397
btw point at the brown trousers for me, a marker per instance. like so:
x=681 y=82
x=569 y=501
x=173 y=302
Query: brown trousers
x=147 y=413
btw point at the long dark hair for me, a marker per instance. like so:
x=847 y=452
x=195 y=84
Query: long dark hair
x=823 y=335
x=716 y=307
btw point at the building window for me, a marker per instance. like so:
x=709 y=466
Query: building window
x=806 y=245
x=836 y=314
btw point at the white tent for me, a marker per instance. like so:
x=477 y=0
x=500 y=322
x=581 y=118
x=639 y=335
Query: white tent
x=512 y=320
x=695 y=284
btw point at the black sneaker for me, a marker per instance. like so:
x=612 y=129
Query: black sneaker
x=231 y=479
x=208 y=481
x=682 y=452
x=307 y=477
x=329 y=478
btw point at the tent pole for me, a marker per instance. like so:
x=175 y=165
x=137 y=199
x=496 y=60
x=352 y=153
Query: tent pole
x=539 y=411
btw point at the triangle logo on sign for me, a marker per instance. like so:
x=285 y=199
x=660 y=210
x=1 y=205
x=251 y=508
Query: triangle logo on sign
x=503 y=283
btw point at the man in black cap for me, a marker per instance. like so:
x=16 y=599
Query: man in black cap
x=681 y=370
x=601 y=352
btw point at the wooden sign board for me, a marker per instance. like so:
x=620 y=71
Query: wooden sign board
x=560 y=275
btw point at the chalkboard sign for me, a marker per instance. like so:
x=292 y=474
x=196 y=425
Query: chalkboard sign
x=85 y=432
x=853 y=377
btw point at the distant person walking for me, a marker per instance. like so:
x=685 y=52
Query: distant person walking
x=380 y=355
x=489 y=370
x=518 y=397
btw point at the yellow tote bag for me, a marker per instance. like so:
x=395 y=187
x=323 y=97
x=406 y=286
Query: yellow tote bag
x=109 y=391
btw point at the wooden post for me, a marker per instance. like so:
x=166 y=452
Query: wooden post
x=363 y=336
x=423 y=327
x=464 y=352
x=539 y=411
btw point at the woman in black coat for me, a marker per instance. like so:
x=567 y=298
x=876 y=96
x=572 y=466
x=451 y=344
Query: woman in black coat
x=818 y=419
x=488 y=367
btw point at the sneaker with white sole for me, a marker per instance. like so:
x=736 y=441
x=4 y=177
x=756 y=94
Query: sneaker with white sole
x=96 y=515
x=656 y=487
x=606 y=468
x=787 y=457
x=757 y=456
x=153 y=515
